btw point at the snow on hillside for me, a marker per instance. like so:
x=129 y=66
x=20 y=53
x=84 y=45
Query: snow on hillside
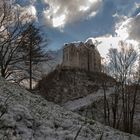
x=86 y=101
x=31 y=117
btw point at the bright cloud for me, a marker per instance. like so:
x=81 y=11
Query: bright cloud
x=109 y=41
x=69 y=10
x=118 y=18
x=83 y=8
x=59 y=21
x=62 y=12
x=128 y=27
x=122 y=28
x=31 y=10
x=128 y=30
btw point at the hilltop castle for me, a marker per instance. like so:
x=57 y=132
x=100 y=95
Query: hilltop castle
x=82 y=55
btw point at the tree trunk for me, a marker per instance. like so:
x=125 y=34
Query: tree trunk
x=30 y=73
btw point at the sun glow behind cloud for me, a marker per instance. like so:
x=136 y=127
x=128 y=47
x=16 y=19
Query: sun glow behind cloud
x=59 y=21
x=62 y=12
x=83 y=8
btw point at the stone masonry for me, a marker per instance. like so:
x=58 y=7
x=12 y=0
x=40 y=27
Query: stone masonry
x=82 y=55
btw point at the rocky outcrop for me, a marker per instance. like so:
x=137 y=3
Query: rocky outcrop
x=24 y=116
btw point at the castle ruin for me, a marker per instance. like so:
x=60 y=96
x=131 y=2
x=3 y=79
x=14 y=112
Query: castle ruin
x=82 y=55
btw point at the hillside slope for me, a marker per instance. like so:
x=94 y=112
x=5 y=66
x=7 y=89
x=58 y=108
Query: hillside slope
x=24 y=116
x=63 y=84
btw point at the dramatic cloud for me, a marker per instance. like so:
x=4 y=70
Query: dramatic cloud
x=61 y=12
x=128 y=26
x=80 y=19
x=57 y=13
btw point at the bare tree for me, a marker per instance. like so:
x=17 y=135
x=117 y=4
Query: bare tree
x=123 y=102
x=33 y=44
x=21 y=44
x=12 y=24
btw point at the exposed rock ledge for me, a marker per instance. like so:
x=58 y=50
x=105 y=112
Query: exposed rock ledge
x=30 y=117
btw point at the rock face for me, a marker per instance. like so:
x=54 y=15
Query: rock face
x=24 y=116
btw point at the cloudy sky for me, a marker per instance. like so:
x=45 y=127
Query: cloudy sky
x=76 y=20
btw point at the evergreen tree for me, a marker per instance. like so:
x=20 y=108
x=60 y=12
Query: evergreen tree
x=33 y=51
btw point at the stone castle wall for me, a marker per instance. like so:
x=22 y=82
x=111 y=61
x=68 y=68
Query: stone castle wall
x=83 y=56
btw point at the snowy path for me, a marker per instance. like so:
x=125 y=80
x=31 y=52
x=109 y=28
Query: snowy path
x=85 y=101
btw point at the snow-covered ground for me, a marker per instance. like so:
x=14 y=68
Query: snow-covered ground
x=86 y=101
x=31 y=117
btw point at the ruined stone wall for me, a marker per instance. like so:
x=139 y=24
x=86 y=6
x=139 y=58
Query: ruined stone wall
x=83 y=56
x=70 y=56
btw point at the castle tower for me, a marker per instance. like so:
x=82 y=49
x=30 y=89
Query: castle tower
x=82 y=56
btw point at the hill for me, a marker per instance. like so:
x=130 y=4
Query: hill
x=83 y=92
x=62 y=84
x=24 y=116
